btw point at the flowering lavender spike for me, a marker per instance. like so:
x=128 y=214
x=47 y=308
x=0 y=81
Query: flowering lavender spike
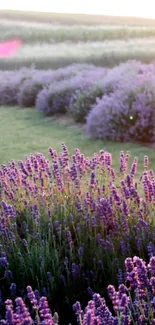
x=13 y=289
x=44 y=311
x=146 y=162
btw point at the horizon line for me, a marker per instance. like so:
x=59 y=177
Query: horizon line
x=75 y=13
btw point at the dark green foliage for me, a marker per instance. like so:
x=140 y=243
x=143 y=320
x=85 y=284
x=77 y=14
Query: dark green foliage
x=82 y=102
x=28 y=92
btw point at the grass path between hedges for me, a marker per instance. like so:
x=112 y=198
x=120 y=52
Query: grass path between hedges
x=25 y=131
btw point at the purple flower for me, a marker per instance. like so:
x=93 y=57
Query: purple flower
x=152 y=284
x=22 y=313
x=81 y=251
x=44 y=311
x=13 y=289
x=77 y=309
x=146 y=162
x=3 y=262
x=32 y=297
x=50 y=277
x=151 y=266
x=8 y=274
x=75 y=270
x=131 y=274
x=9 y=312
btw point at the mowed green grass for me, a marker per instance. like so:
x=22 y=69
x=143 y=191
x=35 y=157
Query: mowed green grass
x=26 y=131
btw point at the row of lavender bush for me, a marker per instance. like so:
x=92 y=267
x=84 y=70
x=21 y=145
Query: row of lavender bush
x=66 y=228
x=22 y=86
x=116 y=103
x=63 y=33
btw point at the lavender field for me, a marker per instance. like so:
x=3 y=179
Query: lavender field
x=77 y=229
x=54 y=41
x=77 y=237
x=113 y=104
x=54 y=55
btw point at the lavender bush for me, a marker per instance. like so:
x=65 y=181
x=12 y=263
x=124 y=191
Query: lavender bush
x=70 y=224
x=10 y=83
x=118 y=76
x=126 y=114
x=21 y=314
x=56 y=98
x=121 y=100
x=22 y=86
x=28 y=92
x=82 y=101
x=133 y=304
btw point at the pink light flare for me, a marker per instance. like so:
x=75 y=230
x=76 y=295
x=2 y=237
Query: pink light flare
x=9 y=48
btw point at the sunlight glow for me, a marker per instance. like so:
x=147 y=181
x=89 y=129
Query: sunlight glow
x=138 y=8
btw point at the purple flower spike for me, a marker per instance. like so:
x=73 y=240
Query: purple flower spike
x=45 y=312
x=152 y=266
x=3 y=262
x=141 y=274
x=13 y=289
x=131 y=274
x=32 y=297
x=146 y=162
x=22 y=313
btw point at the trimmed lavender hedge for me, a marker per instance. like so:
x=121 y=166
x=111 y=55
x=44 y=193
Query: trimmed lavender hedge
x=22 y=86
x=57 y=98
x=116 y=104
x=28 y=92
x=127 y=113
x=10 y=83
x=119 y=75
x=82 y=101
x=119 y=78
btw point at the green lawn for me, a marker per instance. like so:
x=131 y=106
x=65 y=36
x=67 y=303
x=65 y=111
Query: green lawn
x=24 y=131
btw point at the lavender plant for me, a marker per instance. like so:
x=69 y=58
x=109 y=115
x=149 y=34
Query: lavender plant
x=28 y=92
x=10 y=83
x=132 y=304
x=22 y=86
x=112 y=79
x=69 y=224
x=128 y=113
x=82 y=101
x=120 y=101
x=56 y=98
x=21 y=314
